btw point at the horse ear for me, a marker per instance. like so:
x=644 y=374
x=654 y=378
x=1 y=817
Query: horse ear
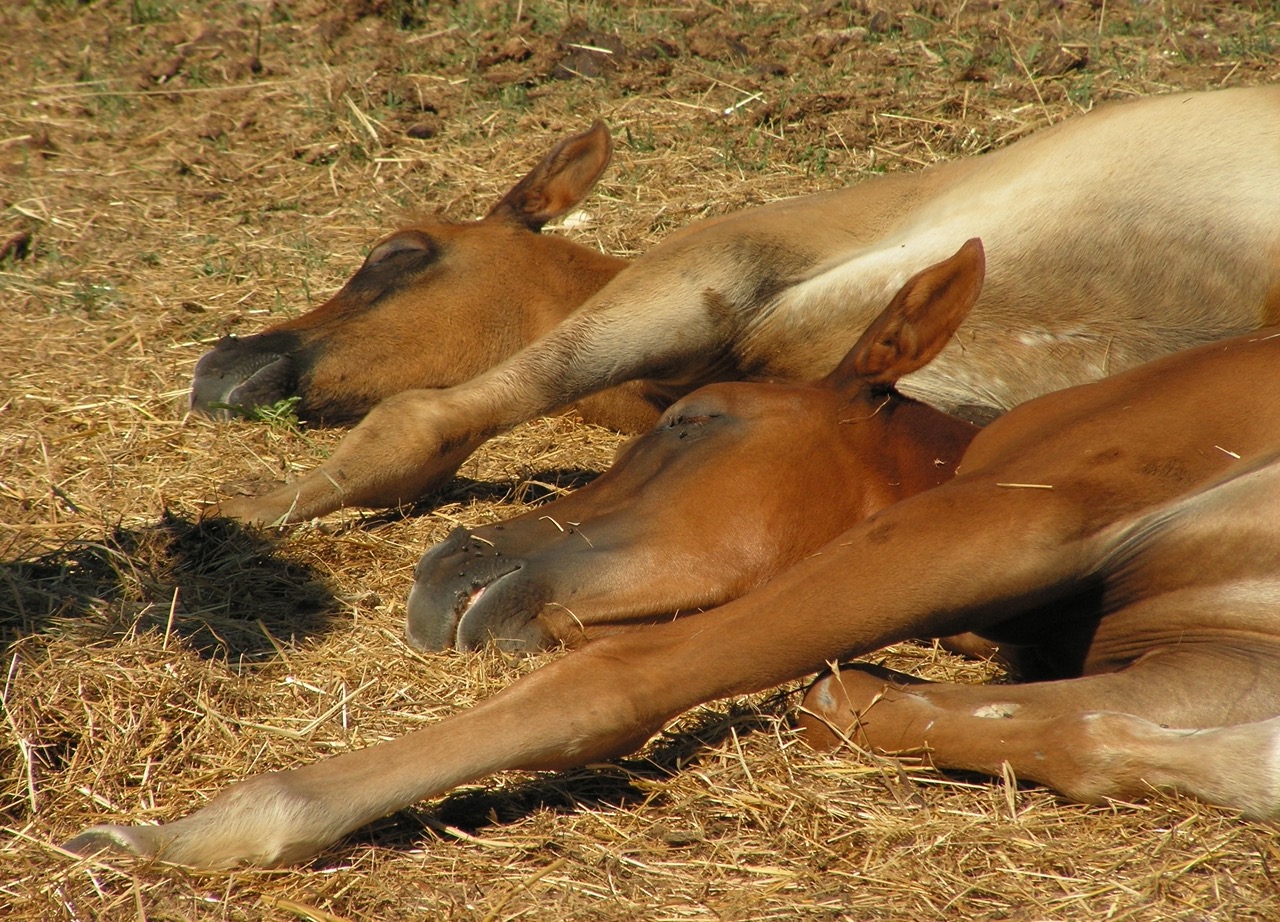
x=560 y=181
x=917 y=324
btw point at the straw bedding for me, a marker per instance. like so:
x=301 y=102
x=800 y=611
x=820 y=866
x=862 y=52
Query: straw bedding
x=171 y=172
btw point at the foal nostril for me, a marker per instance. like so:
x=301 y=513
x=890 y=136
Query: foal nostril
x=247 y=373
x=451 y=582
x=455 y=542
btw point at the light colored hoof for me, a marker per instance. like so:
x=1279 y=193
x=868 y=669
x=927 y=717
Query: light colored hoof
x=113 y=840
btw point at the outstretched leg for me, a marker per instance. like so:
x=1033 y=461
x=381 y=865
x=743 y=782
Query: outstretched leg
x=608 y=697
x=670 y=317
x=1200 y=721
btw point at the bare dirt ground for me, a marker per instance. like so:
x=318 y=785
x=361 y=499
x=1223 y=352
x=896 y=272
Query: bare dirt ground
x=173 y=171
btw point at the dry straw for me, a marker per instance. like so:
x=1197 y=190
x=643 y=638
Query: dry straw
x=181 y=171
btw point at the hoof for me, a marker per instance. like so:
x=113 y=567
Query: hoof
x=829 y=713
x=250 y=511
x=112 y=840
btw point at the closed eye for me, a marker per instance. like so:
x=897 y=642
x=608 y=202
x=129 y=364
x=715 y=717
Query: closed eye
x=686 y=425
x=392 y=263
x=416 y=245
x=682 y=420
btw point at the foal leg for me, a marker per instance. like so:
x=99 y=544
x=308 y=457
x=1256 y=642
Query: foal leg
x=1190 y=721
x=671 y=314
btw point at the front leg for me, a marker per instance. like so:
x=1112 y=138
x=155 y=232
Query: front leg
x=539 y=723
x=409 y=445
x=670 y=317
x=609 y=697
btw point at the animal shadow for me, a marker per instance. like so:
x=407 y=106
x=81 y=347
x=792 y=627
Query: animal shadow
x=529 y=492
x=619 y=784
x=226 y=591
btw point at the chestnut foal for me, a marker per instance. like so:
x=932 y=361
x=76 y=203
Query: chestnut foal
x=1127 y=529
x=1115 y=238
x=435 y=303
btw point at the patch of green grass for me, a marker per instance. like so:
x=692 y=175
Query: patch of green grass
x=641 y=141
x=903 y=78
x=1246 y=44
x=281 y=414
x=95 y=298
x=235 y=266
x=1081 y=91
x=144 y=12
x=740 y=157
x=814 y=159
x=514 y=96
x=918 y=27
x=215 y=267
x=312 y=254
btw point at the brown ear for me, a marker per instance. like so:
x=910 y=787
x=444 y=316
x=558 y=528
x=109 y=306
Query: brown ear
x=918 y=322
x=560 y=181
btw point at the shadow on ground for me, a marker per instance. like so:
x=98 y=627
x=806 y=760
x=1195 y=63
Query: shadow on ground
x=538 y=489
x=225 y=590
x=622 y=783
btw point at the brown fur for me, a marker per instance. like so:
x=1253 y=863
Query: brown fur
x=434 y=304
x=713 y=501
x=1111 y=239
x=1157 y=583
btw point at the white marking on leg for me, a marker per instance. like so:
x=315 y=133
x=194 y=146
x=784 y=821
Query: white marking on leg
x=998 y=711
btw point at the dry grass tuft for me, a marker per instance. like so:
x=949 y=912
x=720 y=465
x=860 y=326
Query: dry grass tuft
x=170 y=172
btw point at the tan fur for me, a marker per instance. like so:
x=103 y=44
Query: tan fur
x=1103 y=524
x=435 y=304
x=1111 y=239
